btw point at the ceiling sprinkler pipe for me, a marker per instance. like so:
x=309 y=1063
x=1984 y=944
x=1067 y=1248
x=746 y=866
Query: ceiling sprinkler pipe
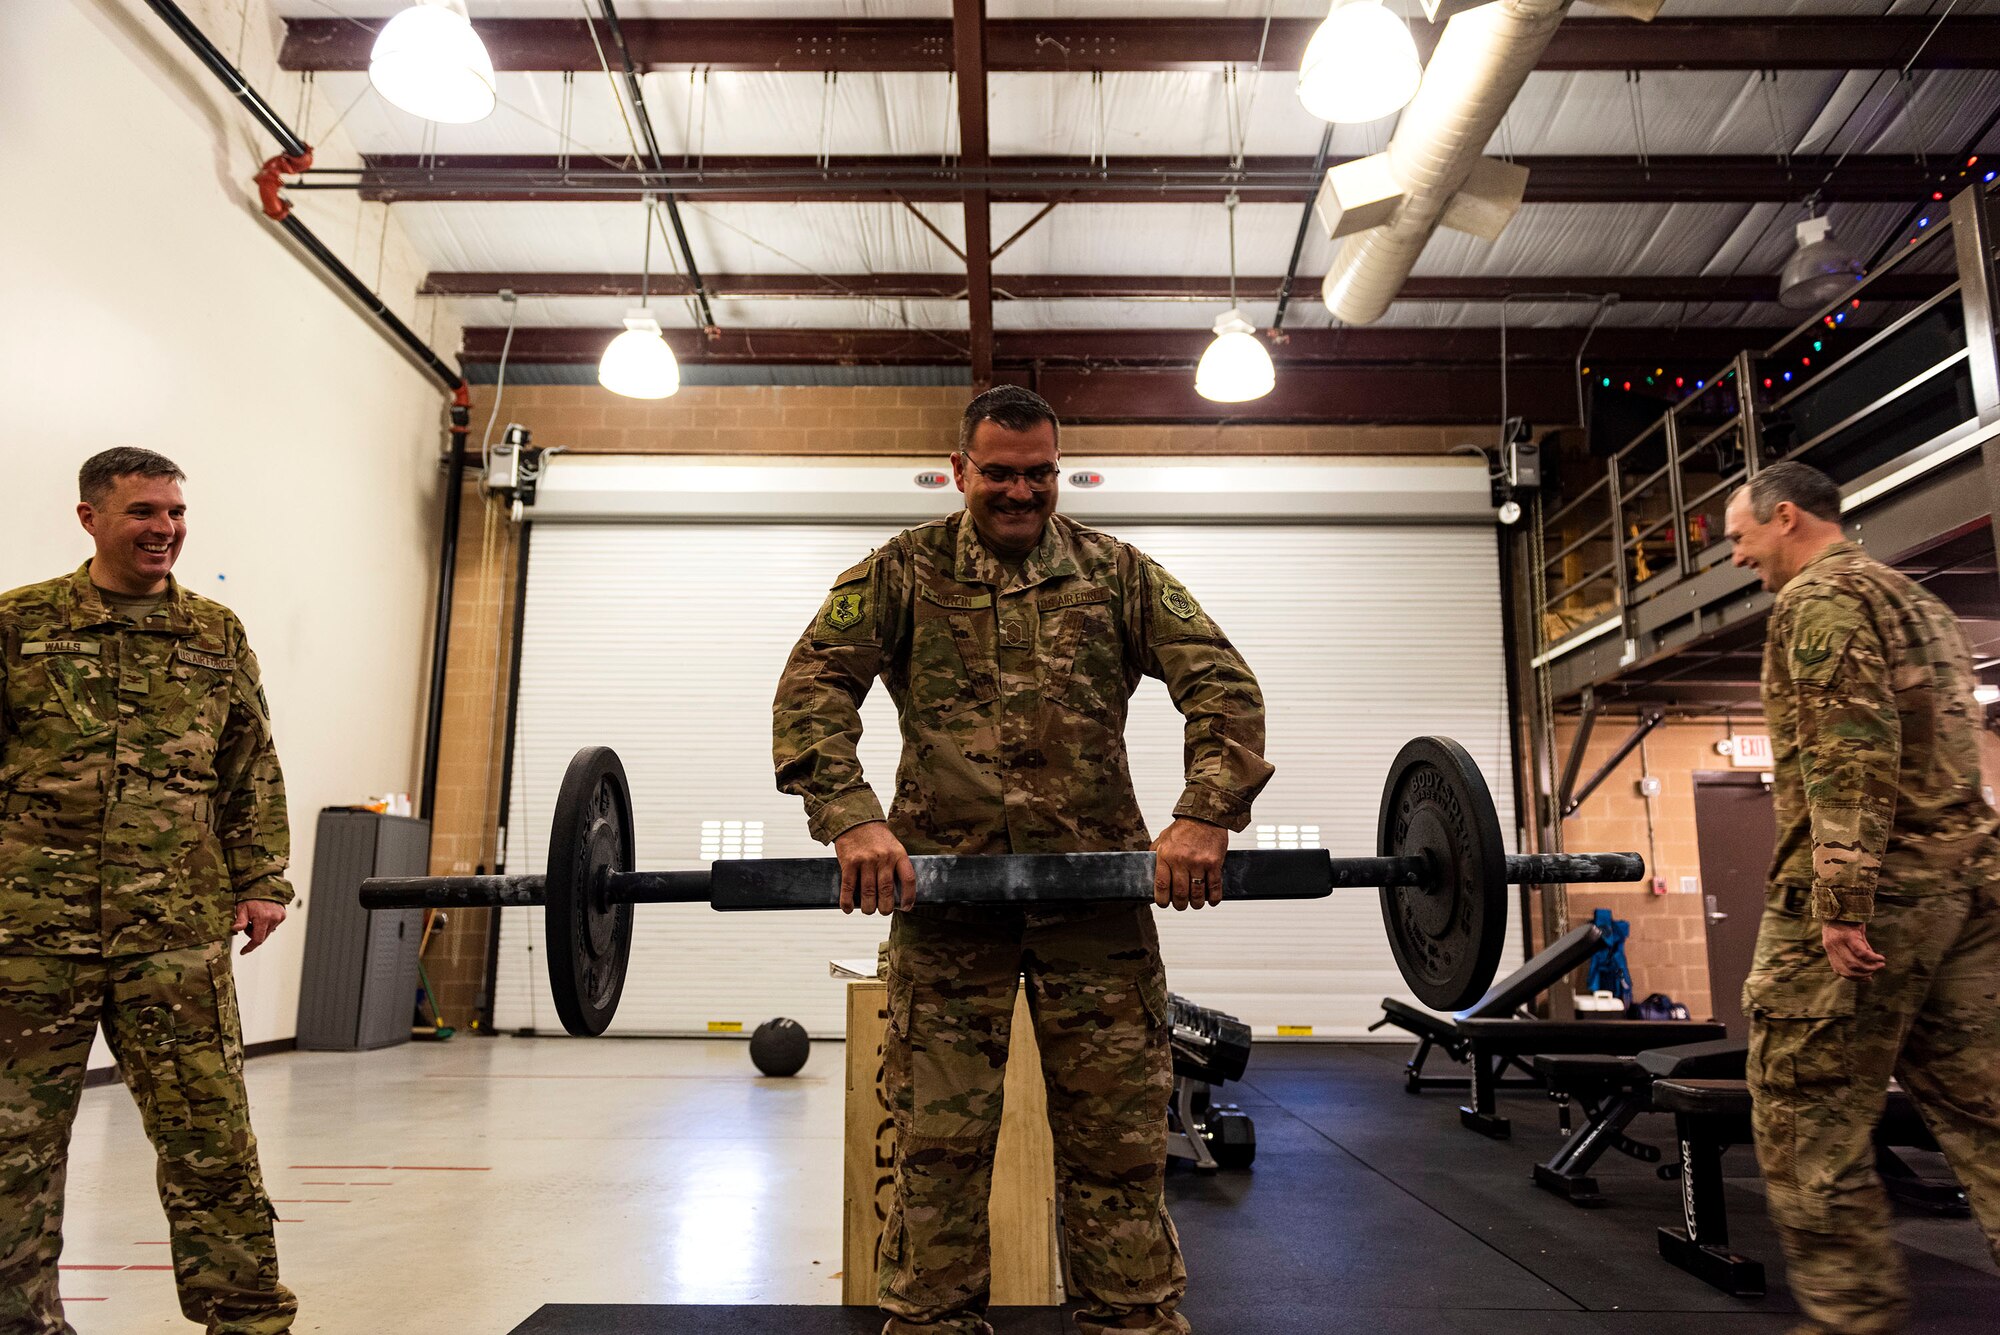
x=1474 y=74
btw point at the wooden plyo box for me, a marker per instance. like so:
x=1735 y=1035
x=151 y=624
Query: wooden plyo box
x=1026 y=1269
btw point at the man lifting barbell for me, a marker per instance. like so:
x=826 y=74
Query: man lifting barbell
x=1011 y=640
x=1031 y=857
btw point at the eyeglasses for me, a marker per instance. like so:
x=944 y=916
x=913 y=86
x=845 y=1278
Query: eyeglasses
x=1040 y=478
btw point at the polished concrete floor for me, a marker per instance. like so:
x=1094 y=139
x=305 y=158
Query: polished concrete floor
x=481 y=1185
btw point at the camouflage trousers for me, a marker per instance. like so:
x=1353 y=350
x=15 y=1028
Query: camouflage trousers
x=1098 y=994
x=172 y=1022
x=1822 y=1051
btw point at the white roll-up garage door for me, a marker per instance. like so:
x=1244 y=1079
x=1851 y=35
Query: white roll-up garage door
x=665 y=640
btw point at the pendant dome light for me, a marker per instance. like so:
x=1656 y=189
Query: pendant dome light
x=1236 y=367
x=638 y=363
x=428 y=61
x=1360 y=65
x=1819 y=271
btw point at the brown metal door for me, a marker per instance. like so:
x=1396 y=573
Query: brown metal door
x=1736 y=830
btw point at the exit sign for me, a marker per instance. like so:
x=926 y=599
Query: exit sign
x=1750 y=750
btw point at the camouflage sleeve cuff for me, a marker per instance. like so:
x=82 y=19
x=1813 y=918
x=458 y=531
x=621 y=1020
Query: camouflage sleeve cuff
x=857 y=806
x=1214 y=806
x=1842 y=903
x=272 y=887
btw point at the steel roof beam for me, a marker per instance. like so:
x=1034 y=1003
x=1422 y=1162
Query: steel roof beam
x=1052 y=46
x=516 y=178
x=1893 y=286
x=1695 y=348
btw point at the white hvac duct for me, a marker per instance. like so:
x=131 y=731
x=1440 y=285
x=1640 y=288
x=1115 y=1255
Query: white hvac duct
x=1432 y=173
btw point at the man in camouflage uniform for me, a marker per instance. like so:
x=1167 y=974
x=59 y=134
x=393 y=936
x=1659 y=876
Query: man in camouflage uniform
x=1879 y=952
x=142 y=823
x=1011 y=639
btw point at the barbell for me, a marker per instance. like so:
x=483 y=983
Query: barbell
x=1440 y=866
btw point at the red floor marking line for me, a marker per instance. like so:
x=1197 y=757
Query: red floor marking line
x=90 y=1267
x=333 y=1184
x=341 y=1167
x=433 y=1168
x=152 y=1244
x=68 y=1299
x=149 y=1267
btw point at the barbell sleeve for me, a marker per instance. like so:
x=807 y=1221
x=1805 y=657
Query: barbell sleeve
x=1573 y=868
x=452 y=892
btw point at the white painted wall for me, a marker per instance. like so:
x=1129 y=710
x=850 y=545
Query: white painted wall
x=144 y=301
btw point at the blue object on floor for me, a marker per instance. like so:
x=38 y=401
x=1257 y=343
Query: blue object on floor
x=1607 y=968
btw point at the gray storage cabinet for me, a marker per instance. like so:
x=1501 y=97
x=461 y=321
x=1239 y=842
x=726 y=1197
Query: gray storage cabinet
x=359 y=988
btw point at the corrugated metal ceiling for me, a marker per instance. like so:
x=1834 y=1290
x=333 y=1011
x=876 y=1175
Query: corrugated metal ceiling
x=1136 y=114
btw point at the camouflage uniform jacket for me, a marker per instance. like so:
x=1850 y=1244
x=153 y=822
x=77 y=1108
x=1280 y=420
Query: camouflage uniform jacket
x=1875 y=749
x=1012 y=690
x=140 y=795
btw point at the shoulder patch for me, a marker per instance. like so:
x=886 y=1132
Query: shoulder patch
x=1177 y=600
x=1819 y=633
x=845 y=609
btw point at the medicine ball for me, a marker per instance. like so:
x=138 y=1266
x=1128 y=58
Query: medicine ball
x=780 y=1046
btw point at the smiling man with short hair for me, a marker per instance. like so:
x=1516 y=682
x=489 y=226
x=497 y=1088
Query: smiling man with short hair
x=1011 y=639
x=1879 y=950
x=142 y=823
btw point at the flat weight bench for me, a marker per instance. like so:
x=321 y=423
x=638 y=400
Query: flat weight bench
x=1712 y=1115
x=1492 y=1044
x=1501 y=1002
x=1613 y=1090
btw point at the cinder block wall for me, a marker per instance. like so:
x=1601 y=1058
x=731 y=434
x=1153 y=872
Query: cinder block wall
x=883 y=420
x=920 y=422
x=1668 y=948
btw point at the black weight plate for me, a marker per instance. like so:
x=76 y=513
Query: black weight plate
x=589 y=938
x=1448 y=935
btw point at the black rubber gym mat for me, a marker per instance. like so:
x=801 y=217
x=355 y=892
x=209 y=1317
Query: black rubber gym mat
x=613 y=1319
x=1372 y=1212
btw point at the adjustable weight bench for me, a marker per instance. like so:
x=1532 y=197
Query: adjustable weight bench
x=1712 y=1115
x=1613 y=1090
x=1501 y=1001
x=1493 y=1043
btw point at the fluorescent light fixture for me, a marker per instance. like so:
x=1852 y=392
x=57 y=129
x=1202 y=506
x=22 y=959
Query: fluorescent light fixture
x=1361 y=65
x=638 y=363
x=428 y=61
x=1236 y=368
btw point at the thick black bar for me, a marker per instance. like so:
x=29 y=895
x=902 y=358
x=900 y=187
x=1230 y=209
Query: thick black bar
x=1573 y=868
x=660 y=887
x=1299 y=241
x=454 y=504
x=637 y=92
x=444 y=892
x=1023 y=878
x=1625 y=748
x=521 y=539
x=197 y=41
x=1576 y=749
x=371 y=303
